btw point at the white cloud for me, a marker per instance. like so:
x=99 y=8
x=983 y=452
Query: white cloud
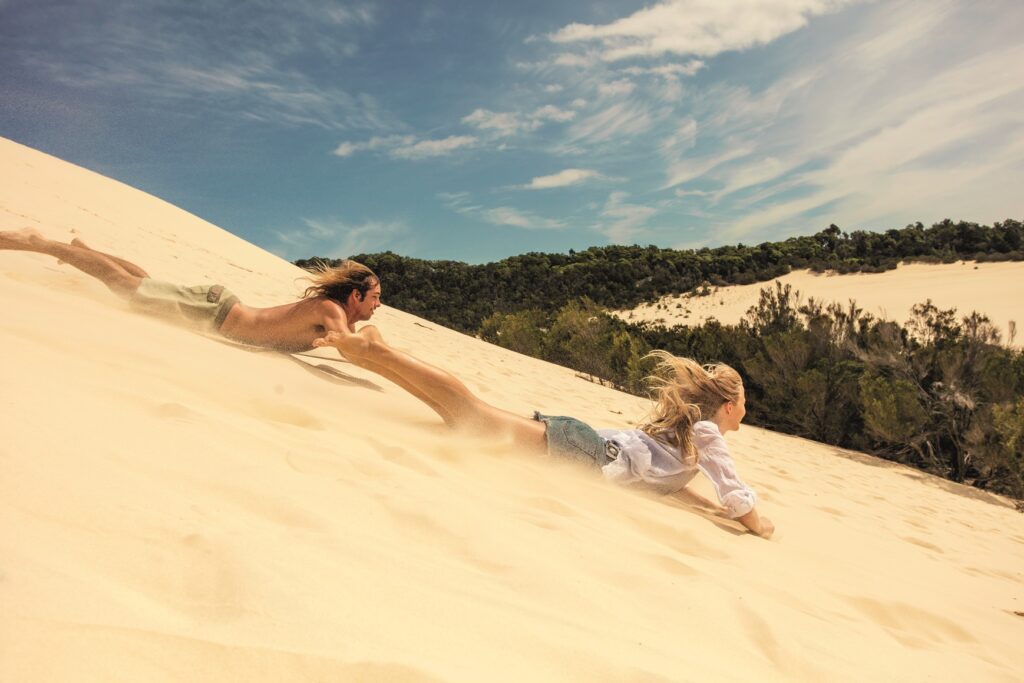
x=687 y=169
x=504 y=215
x=623 y=119
x=433 y=148
x=550 y=112
x=501 y=123
x=575 y=60
x=255 y=79
x=506 y=124
x=626 y=220
x=579 y=103
x=680 y=192
x=622 y=86
x=906 y=130
x=461 y=203
x=346 y=149
x=407 y=146
x=570 y=176
x=553 y=88
x=696 y=27
x=668 y=70
x=684 y=137
x=336 y=238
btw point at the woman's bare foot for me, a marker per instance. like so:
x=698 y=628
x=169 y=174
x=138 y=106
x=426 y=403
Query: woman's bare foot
x=26 y=239
x=352 y=345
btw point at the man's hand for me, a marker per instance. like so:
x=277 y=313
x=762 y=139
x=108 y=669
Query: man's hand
x=329 y=339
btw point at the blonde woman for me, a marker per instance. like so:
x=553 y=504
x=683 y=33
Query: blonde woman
x=694 y=406
x=337 y=299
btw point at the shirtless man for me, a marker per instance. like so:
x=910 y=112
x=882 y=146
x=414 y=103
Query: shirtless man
x=337 y=299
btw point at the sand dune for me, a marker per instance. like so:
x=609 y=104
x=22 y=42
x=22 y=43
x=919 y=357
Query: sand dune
x=176 y=508
x=994 y=289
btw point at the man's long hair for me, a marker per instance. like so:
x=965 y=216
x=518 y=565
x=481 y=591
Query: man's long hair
x=340 y=281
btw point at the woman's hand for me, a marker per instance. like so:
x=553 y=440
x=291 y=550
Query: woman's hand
x=762 y=526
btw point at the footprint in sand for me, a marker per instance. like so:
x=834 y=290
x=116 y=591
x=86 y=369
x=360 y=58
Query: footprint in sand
x=672 y=565
x=923 y=544
x=284 y=413
x=760 y=633
x=911 y=626
x=450 y=545
x=173 y=411
x=199 y=577
x=551 y=505
x=273 y=509
x=675 y=538
x=400 y=456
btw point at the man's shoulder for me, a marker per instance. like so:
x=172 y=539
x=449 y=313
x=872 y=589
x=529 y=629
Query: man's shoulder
x=326 y=311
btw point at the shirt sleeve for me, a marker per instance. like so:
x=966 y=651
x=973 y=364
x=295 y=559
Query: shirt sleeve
x=714 y=461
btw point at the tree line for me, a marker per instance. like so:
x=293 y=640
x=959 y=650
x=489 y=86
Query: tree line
x=462 y=296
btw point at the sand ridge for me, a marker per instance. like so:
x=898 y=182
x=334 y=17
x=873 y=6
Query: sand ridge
x=993 y=289
x=177 y=508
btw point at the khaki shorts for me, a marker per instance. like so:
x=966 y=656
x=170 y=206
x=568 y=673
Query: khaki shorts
x=204 y=306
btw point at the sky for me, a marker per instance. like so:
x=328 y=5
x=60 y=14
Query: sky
x=478 y=130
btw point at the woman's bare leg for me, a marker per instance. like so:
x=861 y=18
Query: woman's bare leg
x=127 y=265
x=453 y=399
x=94 y=263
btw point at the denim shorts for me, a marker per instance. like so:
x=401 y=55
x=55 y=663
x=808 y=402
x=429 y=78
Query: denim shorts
x=571 y=439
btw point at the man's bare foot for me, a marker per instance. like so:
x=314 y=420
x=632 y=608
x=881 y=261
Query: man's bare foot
x=25 y=239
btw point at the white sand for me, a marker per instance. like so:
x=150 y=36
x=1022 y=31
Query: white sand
x=174 y=508
x=994 y=289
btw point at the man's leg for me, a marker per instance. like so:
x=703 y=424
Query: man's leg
x=127 y=265
x=94 y=263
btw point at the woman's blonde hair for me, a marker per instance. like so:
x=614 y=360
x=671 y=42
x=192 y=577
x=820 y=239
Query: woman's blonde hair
x=340 y=281
x=685 y=392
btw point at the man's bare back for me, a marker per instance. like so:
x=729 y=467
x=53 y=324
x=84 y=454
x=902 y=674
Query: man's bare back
x=289 y=327
x=344 y=296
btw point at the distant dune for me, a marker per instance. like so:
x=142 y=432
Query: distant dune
x=994 y=289
x=174 y=508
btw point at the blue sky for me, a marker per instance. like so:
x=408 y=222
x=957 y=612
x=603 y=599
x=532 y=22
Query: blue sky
x=479 y=130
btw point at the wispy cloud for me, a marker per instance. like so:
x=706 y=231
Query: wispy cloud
x=570 y=176
x=221 y=69
x=461 y=203
x=506 y=124
x=695 y=27
x=621 y=86
x=620 y=120
x=407 y=146
x=336 y=238
x=869 y=137
x=425 y=149
x=625 y=221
